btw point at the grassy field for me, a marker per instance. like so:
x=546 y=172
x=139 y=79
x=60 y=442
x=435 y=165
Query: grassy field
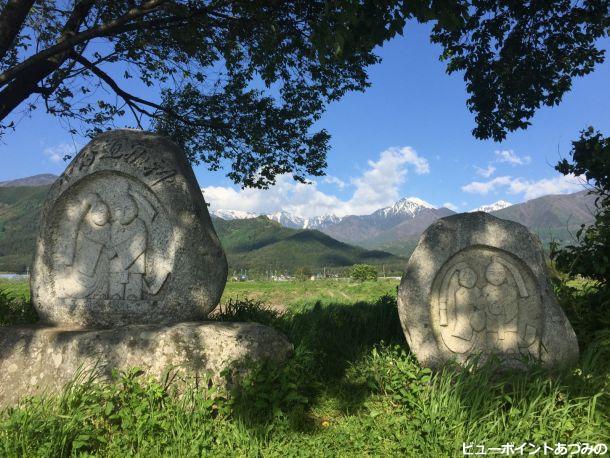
x=16 y=288
x=296 y=295
x=351 y=389
x=289 y=294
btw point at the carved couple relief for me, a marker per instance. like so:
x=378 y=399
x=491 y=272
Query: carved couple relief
x=108 y=254
x=483 y=304
x=476 y=290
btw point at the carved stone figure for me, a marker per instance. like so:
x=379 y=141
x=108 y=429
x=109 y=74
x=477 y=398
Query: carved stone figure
x=87 y=262
x=128 y=256
x=477 y=285
x=126 y=238
x=502 y=306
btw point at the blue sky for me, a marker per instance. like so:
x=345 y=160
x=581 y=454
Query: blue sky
x=407 y=135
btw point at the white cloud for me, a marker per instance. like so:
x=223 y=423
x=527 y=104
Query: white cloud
x=58 y=152
x=450 y=206
x=530 y=189
x=485 y=172
x=377 y=187
x=287 y=194
x=329 y=179
x=563 y=184
x=509 y=156
x=484 y=187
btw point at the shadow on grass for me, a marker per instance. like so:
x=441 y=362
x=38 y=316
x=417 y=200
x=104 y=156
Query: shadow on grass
x=344 y=354
x=329 y=339
x=347 y=353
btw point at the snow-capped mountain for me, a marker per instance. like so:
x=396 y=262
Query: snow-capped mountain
x=405 y=209
x=233 y=214
x=408 y=214
x=287 y=219
x=409 y=206
x=499 y=205
x=320 y=222
x=283 y=217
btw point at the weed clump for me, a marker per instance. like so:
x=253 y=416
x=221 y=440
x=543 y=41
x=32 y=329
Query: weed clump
x=16 y=310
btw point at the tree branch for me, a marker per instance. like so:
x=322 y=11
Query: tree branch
x=70 y=40
x=133 y=100
x=11 y=21
x=20 y=89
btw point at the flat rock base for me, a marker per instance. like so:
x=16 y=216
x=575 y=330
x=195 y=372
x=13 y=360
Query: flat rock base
x=37 y=359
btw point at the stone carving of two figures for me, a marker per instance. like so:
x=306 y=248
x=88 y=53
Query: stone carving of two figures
x=109 y=254
x=491 y=311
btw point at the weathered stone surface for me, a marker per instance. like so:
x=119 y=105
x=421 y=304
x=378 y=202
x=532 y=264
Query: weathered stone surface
x=478 y=285
x=126 y=238
x=37 y=359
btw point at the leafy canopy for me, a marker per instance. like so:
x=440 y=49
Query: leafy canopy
x=518 y=55
x=241 y=84
x=237 y=83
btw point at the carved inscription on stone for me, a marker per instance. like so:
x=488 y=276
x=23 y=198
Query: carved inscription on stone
x=112 y=241
x=131 y=154
x=485 y=300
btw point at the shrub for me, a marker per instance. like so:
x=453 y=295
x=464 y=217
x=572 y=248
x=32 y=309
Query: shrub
x=14 y=310
x=363 y=272
x=587 y=303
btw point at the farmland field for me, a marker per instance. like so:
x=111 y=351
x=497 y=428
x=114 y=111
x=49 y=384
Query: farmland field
x=19 y=288
x=295 y=295
x=282 y=294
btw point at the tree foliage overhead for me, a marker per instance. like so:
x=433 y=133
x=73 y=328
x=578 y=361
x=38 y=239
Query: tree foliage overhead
x=518 y=55
x=235 y=82
x=241 y=83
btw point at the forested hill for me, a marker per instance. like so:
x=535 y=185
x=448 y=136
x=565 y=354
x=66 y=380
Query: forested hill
x=262 y=245
x=256 y=244
x=19 y=217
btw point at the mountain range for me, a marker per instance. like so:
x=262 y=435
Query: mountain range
x=397 y=228
x=386 y=236
x=36 y=180
x=255 y=244
x=499 y=205
x=264 y=245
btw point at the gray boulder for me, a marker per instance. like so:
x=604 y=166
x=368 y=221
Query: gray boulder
x=41 y=360
x=478 y=286
x=126 y=238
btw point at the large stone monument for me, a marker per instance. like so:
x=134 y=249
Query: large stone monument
x=126 y=238
x=478 y=286
x=127 y=264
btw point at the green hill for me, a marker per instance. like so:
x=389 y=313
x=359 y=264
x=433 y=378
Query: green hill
x=553 y=217
x=255 y=244
x=19 y=217
x=261 y=245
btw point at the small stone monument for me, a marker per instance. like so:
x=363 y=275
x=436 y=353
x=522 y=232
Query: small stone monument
x=477 y=285
x=127 y=263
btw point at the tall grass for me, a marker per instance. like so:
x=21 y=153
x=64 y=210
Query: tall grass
x=351 y=389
